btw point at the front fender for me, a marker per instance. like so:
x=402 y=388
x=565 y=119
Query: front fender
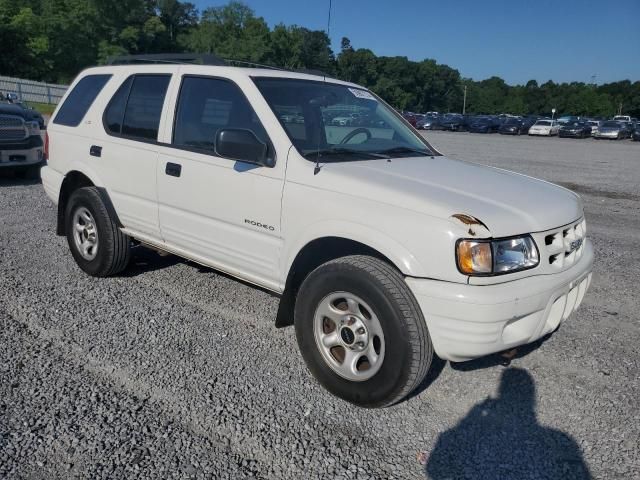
x=401 y=257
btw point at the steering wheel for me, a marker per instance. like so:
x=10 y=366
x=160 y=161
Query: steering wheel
x=355 y=132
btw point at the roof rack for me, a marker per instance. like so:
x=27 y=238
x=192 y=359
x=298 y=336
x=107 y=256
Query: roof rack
x=200 y=59
x=174 y=58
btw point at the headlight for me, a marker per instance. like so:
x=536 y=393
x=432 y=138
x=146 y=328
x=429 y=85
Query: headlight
x=495 y=257
x=33 y=128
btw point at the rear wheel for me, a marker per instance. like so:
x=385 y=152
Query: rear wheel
x=96 y=242
x=361 y=331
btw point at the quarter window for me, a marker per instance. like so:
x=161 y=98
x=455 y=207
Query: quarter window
x=115 y=111
x=207 y=105
x=78 y=102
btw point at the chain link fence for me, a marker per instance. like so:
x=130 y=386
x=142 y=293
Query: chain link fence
x=30 y=91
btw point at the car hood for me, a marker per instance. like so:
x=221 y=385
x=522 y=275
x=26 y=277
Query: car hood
x=8 y=109
x=508 y=203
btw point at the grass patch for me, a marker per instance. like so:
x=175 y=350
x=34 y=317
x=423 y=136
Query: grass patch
x=44 y=108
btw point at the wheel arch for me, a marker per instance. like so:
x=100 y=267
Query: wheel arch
x=74 y=180
x=320 y=250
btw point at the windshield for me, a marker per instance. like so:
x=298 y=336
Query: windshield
x=611 y=124
x=544 y=123
x=347 y=123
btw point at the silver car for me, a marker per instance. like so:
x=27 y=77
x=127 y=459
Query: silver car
x=612 y=130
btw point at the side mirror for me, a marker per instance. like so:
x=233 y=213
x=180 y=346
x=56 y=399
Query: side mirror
x=243 y=145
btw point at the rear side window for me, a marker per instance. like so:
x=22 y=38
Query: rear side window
x=135 y=109
x=79 y=101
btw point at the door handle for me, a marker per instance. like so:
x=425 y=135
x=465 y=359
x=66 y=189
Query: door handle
x=173 y=169
x=95 y=151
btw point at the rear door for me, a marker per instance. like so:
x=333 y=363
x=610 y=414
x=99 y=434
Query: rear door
x=126 y=152
x=219 y=211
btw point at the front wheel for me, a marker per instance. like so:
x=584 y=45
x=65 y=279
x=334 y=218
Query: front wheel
x=361 y=331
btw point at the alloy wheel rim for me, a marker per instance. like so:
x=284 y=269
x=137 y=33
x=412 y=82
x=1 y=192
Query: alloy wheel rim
x=349 y=336
x=85 y=233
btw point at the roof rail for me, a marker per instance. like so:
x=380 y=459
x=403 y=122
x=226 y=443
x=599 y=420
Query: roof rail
x=175 y=58
x=199 y=59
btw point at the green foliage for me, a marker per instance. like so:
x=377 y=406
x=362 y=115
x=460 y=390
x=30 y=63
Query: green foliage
x=53 y=40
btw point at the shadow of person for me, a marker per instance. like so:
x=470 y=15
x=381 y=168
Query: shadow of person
x=502 y=439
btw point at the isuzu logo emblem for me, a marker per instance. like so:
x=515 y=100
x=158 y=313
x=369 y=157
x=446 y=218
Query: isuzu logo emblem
x=573 y=246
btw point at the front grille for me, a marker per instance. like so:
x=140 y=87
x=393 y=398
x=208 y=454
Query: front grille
x=12 y=128
x=562 y=247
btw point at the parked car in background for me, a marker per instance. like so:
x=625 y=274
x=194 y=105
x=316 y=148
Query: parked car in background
x=11 y=97
x=622 y=118
x=566 y=119
x=21 y=145
x=635 y=134
x=575 y=130
x=613 y=130
x=453 y=122
x=411 y=118
x=515 y=126
x=595 y=126
x=546 y=128
x=32 y=113
x=483 y=125
x=429 y=122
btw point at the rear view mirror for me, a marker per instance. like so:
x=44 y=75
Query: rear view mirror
x=243 y=145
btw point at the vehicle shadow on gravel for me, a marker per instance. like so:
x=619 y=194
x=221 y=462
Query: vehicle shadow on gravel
x=145 y=260
x=500 y=438
x=497 y=359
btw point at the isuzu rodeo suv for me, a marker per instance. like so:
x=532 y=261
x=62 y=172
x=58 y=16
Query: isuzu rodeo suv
x=384 y=252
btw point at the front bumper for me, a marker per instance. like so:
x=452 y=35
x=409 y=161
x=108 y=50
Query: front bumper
x=607 y=134
x=565 y=133
x=22 y=154
x=470 y=321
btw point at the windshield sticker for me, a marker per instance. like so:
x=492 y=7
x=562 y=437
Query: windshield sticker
x=361 y=93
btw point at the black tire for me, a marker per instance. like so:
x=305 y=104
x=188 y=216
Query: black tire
x=114 y=247
x=408 y=348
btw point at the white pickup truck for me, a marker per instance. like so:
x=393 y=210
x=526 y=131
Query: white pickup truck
x=383 y=251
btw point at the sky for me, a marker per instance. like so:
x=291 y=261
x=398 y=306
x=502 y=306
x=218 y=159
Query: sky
x=518 y=40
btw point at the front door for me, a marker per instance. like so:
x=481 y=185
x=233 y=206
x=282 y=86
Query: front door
x=221 y=212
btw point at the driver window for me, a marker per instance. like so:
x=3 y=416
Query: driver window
x=206 y=105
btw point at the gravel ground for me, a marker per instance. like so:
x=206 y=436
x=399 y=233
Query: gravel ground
x=176 y=371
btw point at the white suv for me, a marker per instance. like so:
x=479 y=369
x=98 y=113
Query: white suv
x=382 y=250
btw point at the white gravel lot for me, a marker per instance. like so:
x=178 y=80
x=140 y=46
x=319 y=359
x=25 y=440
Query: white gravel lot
x=176 y=371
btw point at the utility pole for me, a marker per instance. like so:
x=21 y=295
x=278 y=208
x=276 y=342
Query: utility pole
x=464 y=100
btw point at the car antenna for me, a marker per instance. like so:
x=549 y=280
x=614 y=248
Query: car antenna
x=316 y=169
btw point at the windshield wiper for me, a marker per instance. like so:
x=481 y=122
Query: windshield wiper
x=329 y=152
x=391 y=151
